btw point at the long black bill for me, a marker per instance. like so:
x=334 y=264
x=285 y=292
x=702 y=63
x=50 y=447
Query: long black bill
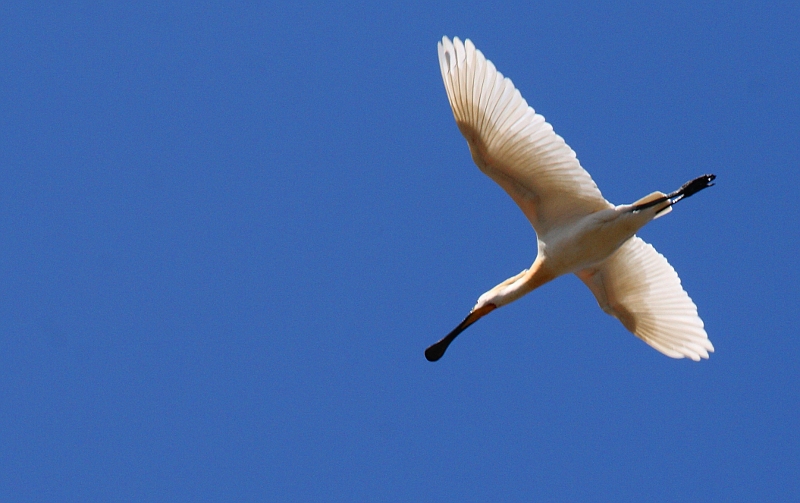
x=437 y=350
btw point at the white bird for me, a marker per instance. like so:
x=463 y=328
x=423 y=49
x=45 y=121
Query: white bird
x=578 y=231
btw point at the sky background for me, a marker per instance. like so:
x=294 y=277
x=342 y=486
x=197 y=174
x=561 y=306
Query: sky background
x=229 y=230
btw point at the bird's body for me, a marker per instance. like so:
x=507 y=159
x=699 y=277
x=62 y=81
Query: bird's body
x=578 y=231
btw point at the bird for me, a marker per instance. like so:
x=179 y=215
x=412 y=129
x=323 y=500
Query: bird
x=578 y=231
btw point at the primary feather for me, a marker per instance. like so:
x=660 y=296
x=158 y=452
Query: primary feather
x=513 y=144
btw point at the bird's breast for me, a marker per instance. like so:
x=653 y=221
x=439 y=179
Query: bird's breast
x=588 y=240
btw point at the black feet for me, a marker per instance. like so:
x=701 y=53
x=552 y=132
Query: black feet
x=692 y=187
x=687 y=189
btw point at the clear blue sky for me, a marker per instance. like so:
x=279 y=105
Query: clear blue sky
x=229 y=231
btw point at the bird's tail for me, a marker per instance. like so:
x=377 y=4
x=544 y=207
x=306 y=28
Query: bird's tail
x=654 y=198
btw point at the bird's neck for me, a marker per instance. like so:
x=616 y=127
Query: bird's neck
x=523 y=283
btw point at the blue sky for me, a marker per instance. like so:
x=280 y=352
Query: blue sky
x=229 y=231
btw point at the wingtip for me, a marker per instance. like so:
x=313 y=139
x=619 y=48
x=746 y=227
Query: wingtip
x=458 y=45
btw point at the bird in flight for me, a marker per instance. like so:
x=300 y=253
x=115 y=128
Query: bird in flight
x=577 y=230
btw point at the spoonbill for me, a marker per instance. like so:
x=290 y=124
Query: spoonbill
x=577 y=230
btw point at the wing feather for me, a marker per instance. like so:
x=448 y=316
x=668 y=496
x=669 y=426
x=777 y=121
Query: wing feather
x=513 y=144
x=638 y=286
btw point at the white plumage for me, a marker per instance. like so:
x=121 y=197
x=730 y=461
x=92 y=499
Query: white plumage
x=578 y=231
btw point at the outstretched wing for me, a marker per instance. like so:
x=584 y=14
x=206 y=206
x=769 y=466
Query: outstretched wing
x=638 y=286
x=513 y=144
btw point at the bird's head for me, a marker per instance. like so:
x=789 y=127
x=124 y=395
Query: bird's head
x=494 y=297
x=506 y=292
